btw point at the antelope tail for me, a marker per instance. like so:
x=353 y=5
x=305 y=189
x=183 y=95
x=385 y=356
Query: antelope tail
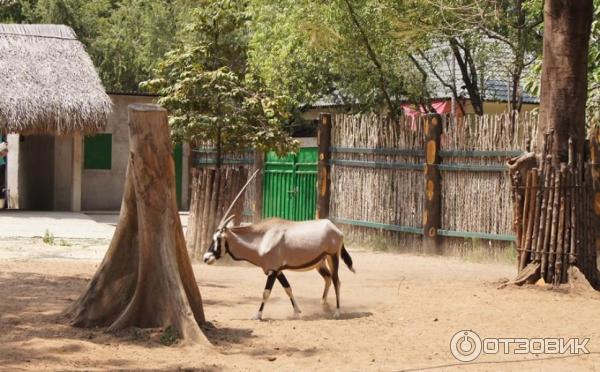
x=347 y=259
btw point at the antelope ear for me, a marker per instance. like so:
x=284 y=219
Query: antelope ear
x=229 y=223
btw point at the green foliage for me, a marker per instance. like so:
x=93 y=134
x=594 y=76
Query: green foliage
x=222 y=28
x=308 y=50
x=286 y=50
x=303 y=50
x=209 y=97
x=16 y=11
x=136 y=35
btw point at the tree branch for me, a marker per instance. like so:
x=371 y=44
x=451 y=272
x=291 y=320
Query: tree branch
x=451 y=86
x=426 y=98
x=373 y=57
x=470 y=79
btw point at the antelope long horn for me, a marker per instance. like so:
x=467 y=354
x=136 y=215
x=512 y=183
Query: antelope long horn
x=237 y=197
x=227 y=221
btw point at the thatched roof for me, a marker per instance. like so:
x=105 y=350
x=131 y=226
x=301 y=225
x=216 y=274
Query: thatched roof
x=48 y=84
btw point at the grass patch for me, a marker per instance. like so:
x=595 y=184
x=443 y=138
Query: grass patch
x=169 y=336
x=64 y=243
x=48 y=238
x=138 y=334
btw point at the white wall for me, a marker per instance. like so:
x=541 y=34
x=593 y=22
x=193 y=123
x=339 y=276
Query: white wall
x=103 y=189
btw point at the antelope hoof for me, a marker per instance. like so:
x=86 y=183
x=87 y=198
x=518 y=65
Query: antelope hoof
x=258 y=316
x=324 y=302
x=297 y=314
x=336 y=315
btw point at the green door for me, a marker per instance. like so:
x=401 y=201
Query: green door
x=290 y=185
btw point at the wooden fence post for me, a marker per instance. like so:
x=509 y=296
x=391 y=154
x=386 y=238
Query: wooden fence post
x=324 y=168
x=432 y=216
x=259 y=163
x=595 y=191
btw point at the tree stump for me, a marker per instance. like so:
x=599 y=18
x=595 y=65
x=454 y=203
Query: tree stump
x=146 y=279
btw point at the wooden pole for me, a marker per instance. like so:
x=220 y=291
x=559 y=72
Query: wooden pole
x=432 y=216
x=324 y=168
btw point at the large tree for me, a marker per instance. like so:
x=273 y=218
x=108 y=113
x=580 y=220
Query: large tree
x=556 y=216
x=564 y=80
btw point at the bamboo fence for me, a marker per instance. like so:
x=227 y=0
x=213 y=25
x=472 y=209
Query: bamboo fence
x=554 y=219
x=371 y=182
x=378 y=179
x=480 y=200
x=213 y=190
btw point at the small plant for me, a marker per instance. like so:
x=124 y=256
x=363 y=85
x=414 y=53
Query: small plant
x=64 y=243
x=169 y=336
x=48 y=238
x=137 y=334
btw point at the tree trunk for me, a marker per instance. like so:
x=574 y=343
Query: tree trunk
x=567 y=27
x=146 y=279
x=565 y=239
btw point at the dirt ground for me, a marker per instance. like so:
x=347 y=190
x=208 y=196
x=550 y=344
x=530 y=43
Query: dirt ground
x=399 y=313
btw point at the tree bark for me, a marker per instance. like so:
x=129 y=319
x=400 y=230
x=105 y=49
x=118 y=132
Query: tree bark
x=567 y=27
x=324 y=171
x=146 y=279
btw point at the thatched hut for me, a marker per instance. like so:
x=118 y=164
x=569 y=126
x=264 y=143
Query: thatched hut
x=50 y=96
x=49 y=84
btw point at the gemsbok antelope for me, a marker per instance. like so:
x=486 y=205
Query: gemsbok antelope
x=276 y=245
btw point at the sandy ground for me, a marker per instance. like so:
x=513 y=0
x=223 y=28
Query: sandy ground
x=399 y=313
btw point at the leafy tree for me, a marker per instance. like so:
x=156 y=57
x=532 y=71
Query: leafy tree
x=17 y=11
x=480 y=38
x=214 y=106
x=210 y=98
x=134 y=38
x=284 y=50
x=315 y=49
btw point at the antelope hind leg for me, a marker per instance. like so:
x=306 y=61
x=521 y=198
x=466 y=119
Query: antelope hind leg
x=266 y=293
x=286 y=286
x=324 y=271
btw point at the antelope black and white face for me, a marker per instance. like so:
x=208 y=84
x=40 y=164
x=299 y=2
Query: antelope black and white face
x=214 y=251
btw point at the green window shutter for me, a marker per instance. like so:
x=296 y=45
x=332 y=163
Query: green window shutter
x=97 y=153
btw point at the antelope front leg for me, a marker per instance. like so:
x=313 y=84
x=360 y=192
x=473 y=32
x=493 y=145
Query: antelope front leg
x=286 y=285
x=266 y=293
